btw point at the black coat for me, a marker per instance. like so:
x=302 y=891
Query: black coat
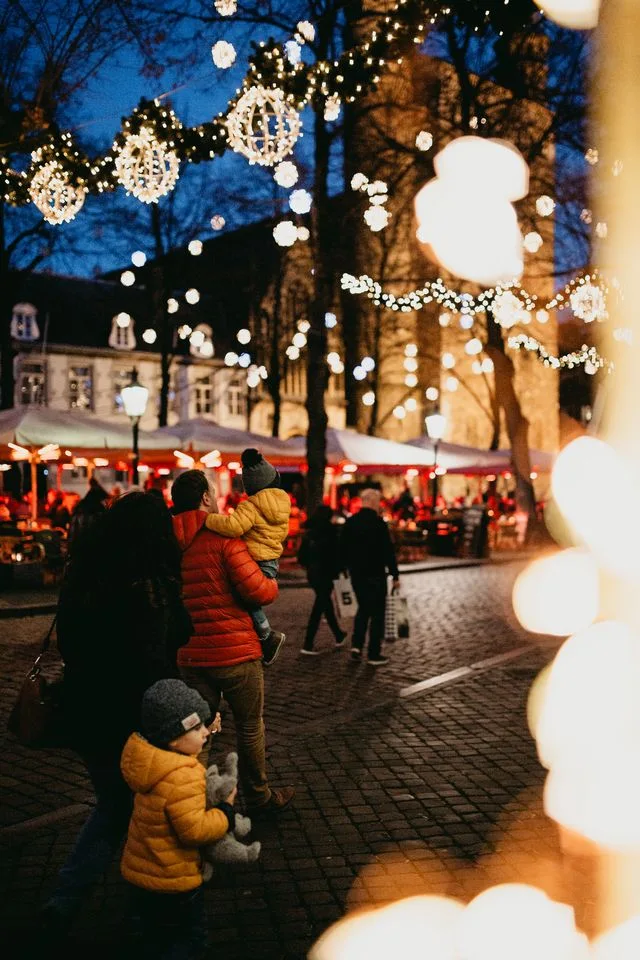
x=320 y=553
x=366 y=547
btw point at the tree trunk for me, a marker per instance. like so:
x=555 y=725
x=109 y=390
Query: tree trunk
x=317 y=371
x=160 y=316
x=7 y=379
x=275 y=361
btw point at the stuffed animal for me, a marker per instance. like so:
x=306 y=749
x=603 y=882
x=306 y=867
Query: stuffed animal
x=228 y=849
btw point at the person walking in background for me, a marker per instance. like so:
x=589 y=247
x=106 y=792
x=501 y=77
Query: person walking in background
x=319 y=555
x=87 y=511
x=224 y=656
x=368 y=554
x=120 y=623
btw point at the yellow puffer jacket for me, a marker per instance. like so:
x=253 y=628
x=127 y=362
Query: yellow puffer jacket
x=169 y=821
x=262 y=521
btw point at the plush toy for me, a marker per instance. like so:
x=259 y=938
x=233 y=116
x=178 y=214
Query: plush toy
x=228 y=849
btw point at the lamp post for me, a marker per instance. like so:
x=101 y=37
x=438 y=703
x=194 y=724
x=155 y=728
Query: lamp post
x=436 y=424
x=134 y=400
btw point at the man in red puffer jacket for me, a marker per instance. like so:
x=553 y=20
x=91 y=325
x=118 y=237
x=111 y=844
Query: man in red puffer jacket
x=221 y=582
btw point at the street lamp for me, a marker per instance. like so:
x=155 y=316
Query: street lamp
x=134 y=400
x=436 y=424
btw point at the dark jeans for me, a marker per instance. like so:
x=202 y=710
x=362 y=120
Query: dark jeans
x=242 y=686
x=323 y=604
x=99 y=838
x=173 y=925
x=371 y=594
x=260 y=619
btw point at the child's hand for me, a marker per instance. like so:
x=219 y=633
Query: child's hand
x=216 y=726
x=231 y=799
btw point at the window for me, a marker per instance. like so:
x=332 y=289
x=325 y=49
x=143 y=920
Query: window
x=203 y=399
x=80 y=388
x=121 y=378
x=24 y=325
x=122 y=336
x=237 y=399
x=33 y=383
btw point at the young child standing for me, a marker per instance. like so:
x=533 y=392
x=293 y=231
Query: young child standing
x=170 y=821
x=263 y=523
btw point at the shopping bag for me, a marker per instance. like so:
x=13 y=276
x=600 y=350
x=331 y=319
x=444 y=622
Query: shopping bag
x=402 y=617
x=345 y=597
x=38 y=718
x=390 y=618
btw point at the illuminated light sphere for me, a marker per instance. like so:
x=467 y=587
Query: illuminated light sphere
x=217 y=222
x=231 y=359
x=286 y=174
x=244 y=360
x=473 y=347
x=592 y=156
x=399 y=412
x=138 y=258
x=444 y=319
x=127 y=278
x=223 y=54
x=496 y=164
x=378 y=199
x=368 y=364
x=448 y=361
x=476 y=367
x=516 y=920
x=376 y=218
x=146 y=167
x=184 y=331
x=432 y=393
x=588 y=303
x=195 y=248
x=542 y=316
x=586 y=216
x=602 y=230
x=197 y=338
x=359 y=373
x=123 y=320
x=262 y=371
x=424 y=140
x=411 y=350
x=558 y=595
x=466 y=321
x=532 y=242
x=575 y=14
x=338 y=367
x=359 y=181
x=377 y=188
x=299 y=340
x=149 y=335
x=253 y=379
x=226 y=8
x=545 y=205
x=333 y=358
x=263 y=126
x=410 y=364
x=411 y=404
x=620 y=943
x=172 y=305
x=410 y=381
x=508 y=310
x=303 y=234
x=306 y=30
x=285 y=233
x=53 y=193
x=292 y=51
x=330 y=320
x=487 y=365
x=369 y=398
x=192 y=295
x=332 y=107
x=451 y=384
x=300 y=201
x=304 y=326
x=243 y=336
x=292 y=352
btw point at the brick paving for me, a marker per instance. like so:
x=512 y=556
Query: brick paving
x=436 y=792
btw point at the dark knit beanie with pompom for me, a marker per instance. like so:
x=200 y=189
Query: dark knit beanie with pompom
x=257 y=473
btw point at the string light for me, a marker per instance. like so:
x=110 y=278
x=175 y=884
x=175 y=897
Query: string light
x=138 y=258
x=286 y=174
x=583 y=356
x=285 y=233
x=532 y=242
x=172 y=305
x=243 y=336
x=330 y=320
x=545 y=205
x=192 y=296
x=306 y=30
x=303 y=234
x=300 y=201
x=376 y=218
x=263 y=126
x=369 y=398
x=149 y=335
x=195 y=248
x=424 y=140
x=217 y=222
x=332 y=108
x=588 y=303
x=127 y=278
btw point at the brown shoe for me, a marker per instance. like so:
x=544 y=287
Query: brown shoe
x=279 y=800
x=271 y=647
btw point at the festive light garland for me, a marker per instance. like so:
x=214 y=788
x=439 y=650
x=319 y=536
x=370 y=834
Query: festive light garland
x=586 y=356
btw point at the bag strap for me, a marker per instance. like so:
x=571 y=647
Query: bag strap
x=46 y=643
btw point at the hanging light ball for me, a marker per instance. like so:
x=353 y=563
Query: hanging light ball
x=473 y=347
x=192 y=296
x=300 y=201
x=127 y=278
x=532 y=242
x=195 y=248
x=285 y=233
x=424 y=140
x=52 y=192
x=243 y=336
x=263 y=126
x=223 y=54
x=226 y=8
x=303 y=234
x=286 y=174
x=545 y=205
x=369 y=398
x=217 y=222
x=588 y=303
x=399 y=412
x=359 y=181
x=432 y=393
x=230 y=358
x=145 y=167
x=330 y=320
x=150 y=336
x=376 y=218
x=172 y=305
x=138 y=258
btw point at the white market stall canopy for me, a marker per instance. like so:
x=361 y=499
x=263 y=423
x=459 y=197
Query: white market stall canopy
x=201 y=436
x=78 y=432
x=372 y=453
x=457 y=458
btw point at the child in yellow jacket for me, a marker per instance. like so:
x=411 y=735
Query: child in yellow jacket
x=263 y=523
x=170 y=821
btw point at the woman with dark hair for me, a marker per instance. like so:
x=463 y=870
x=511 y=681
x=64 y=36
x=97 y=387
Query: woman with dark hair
x=319 y=554
x=120 y=624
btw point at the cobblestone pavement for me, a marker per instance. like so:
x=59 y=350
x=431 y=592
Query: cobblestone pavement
x=399 y=791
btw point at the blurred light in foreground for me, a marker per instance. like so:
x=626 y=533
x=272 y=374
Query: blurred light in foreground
x=422 y=926
x=576 y=14
x=558 y=595
x=621 y=943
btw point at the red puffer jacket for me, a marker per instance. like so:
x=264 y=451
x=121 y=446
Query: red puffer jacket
x=218 y=576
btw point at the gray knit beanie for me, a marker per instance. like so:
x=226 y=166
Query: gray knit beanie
x=169 y=709
x=257 y=473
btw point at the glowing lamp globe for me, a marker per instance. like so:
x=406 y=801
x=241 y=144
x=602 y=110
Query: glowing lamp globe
x=495 y=165
x=134 y=398
x=575 y=14
x=436 y=424
x=558 y=595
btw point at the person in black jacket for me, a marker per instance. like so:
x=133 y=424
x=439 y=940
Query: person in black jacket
x=120 y=622
x=369 y=556
x=320 y=556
